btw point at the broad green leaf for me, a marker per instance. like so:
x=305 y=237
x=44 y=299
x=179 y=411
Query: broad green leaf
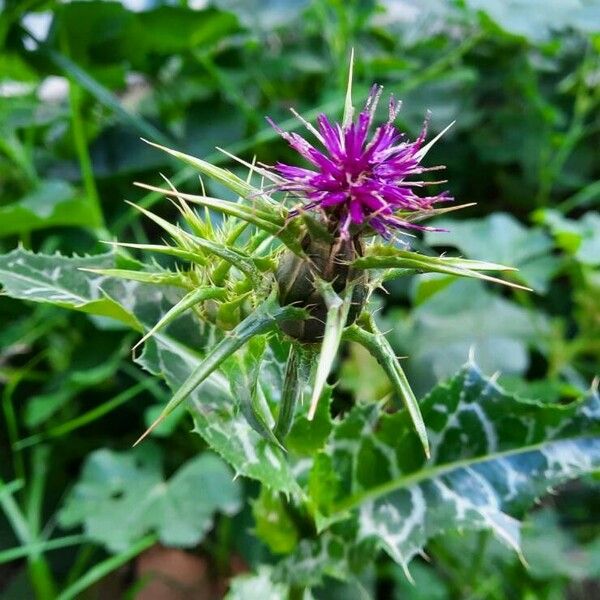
x=53 y=203
x=501 y=238
x=538 y=20
x=56 y=279
x=122 y=496
x=492 y=455
x=333 y=553
x=464 y=317
x=581 y=238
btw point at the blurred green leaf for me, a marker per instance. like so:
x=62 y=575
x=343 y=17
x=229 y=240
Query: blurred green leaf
x=273 y=525
x=122 y=496
x=537 y=20
x=53 y=203
x=551 y=551
x=581 y=237
x=258 y=586
x=438 y=335
x=170 y=29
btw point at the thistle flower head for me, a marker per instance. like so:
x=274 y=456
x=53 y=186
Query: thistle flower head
x=357 y=181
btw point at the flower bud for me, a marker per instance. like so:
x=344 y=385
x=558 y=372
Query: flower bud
x=330 y=261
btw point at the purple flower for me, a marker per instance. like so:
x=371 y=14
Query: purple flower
x=357 y=182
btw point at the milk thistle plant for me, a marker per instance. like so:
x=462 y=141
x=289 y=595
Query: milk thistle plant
x=246 y=327
x=299 y=256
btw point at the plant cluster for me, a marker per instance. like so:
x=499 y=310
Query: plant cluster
x=268 y=303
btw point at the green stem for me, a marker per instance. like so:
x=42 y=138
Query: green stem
x=85 y=418
x=80 y=142
x=56 y=544
x=105 y=567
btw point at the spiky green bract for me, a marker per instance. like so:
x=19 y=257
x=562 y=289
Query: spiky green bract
x=337 y=315
x=263 y=319
x=388 y=259
x=374 y=341
x=243 y=371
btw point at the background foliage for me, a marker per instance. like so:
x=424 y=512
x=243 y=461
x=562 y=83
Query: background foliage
x=81 y=82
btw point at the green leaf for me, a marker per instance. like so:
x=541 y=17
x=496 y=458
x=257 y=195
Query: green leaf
x=550 y=550
x=174 y=29
x=53 y=203
x=58 y=280
x=306 y=437
x=122 y=496
x=462 y=318
x=242 y=369
x=580 y=238
x=538 y=20
x=492 y=455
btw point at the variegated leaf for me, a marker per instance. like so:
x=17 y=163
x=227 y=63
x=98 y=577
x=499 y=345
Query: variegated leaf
x=492 y=455
x=56 y=279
